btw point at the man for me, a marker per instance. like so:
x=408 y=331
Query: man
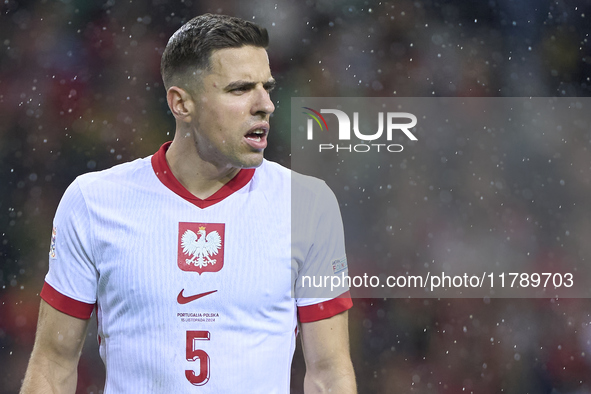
x=191 y=257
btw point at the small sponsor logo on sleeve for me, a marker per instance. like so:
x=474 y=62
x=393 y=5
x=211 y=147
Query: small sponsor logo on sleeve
x=52 y=246
x=339 y=265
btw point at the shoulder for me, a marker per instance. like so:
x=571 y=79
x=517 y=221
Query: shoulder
x=277 y=176
x=112 y=186
x=294 y=192
x=119 y=176
x=270 y=172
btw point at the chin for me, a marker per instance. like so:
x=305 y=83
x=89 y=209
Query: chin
x=253 y=163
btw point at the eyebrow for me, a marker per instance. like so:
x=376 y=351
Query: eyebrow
x=269 y=85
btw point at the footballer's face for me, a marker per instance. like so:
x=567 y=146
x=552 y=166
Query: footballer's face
x=232 y=108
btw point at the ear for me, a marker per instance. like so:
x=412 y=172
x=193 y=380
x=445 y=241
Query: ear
x=180 y=103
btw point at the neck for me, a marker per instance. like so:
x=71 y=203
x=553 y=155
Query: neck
x=199 y=177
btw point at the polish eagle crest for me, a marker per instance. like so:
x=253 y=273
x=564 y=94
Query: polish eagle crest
x=201 y=246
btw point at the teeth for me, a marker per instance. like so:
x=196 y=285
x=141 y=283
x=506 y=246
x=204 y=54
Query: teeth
x=258 y=139
x=259 y=132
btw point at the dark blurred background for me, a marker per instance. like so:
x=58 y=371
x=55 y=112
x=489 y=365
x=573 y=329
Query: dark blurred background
x=80 y=91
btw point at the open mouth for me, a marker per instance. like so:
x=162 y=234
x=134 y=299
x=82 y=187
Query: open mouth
x=256 y=135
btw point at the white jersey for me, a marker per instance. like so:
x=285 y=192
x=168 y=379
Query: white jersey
x=195 y=296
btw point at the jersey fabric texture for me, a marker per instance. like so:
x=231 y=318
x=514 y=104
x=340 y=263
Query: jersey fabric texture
x=192 y=295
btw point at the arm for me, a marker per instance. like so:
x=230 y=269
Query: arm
x=326 y=351
x=53 y=367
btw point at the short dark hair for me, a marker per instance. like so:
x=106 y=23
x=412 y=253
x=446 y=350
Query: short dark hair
x=191 y=46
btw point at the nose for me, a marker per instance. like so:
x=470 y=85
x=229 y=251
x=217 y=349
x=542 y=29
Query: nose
x=262 y=103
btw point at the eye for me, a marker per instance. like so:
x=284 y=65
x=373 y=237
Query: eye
x=239 y=90
x=269 y=86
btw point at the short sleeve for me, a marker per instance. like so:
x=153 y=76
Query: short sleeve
x=71 y=283
x=321 y=290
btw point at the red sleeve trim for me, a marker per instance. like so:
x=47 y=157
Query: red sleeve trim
x=65 y=304
x=326 y=309
x=163 y=172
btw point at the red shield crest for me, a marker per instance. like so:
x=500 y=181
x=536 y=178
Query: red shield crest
x=201 y=247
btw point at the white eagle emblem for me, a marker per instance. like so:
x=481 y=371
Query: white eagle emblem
x=201 y=246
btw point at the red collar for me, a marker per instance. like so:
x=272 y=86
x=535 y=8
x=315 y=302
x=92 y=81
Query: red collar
x=163 y=172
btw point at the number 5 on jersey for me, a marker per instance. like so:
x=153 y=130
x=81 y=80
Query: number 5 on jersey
x=197 y=355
